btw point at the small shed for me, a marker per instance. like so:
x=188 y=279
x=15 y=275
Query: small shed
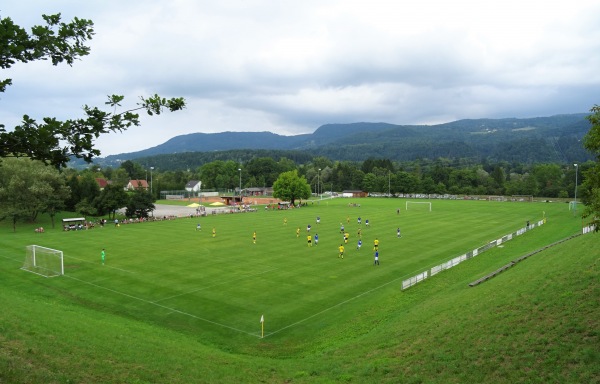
x=231 y=200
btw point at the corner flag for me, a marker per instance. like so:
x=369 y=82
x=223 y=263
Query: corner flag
x=262 y=326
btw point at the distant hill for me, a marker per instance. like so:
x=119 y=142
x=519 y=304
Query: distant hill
x=542 y=139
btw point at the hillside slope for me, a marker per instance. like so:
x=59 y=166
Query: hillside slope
x=536 y=323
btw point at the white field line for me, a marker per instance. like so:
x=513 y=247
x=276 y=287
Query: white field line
x=336 y=305
x=160 y=306
x=215 y=285
x=239 y=330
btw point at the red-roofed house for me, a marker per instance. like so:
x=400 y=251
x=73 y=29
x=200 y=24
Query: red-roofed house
x=102 y=183
x=137 y=184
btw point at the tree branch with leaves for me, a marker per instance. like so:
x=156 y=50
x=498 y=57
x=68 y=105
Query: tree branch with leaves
x=53 y=141
x=591 y=185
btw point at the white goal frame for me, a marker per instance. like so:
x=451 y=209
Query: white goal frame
x=418 y=202
x=44 y=261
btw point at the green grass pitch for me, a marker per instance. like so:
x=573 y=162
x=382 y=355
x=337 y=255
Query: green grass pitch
x=169 y=274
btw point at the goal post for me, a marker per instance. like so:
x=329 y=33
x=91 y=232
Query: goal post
x=418 y=204
x=44 y=261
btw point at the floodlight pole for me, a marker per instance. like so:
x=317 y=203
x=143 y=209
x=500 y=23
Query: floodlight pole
x=151 y=191
x=319 y=183
x=240 y=170
x=576 y=171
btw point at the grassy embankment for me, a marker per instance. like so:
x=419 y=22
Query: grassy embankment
x=174 y=305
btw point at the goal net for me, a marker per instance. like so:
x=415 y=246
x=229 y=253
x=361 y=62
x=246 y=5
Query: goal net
x=43 y=261
x=421 y=205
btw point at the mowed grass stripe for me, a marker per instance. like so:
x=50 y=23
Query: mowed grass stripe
x=229 y=280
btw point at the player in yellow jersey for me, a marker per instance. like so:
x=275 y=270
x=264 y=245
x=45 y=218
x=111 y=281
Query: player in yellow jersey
x=298 y=232
x=341 y=249
x=309 y=238
x=254 y=237
x=214 y=232
x=375 y=244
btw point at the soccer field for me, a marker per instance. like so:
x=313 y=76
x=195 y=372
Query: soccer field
x=170 y=274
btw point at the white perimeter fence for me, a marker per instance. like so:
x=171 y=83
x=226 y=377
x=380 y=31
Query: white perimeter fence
x=457 y=260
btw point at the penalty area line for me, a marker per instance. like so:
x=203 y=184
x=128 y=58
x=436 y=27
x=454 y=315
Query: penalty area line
x=173 y=310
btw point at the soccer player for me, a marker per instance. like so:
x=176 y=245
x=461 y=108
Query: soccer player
x=341 y=228
x=298 y=232
x=285 y=221
x=359 y=220
x=359 y=232
x=376 y=262
x=367 y=222
x=359 y=244
x=341 y=249
x=316 y=239
x=318 y=219
x=103 y=255
x=198 y=227
x=309 y=238
x=346 y=237
x=308 y=227
x=398 y=233
x=376 y=244
x=214 y=232
x=254 y=237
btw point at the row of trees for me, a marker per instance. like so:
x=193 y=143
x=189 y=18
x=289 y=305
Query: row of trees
x=383 y=176
x=29 y=188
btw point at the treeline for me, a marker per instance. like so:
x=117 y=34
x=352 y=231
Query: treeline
x=28 y=188
x=444 y=175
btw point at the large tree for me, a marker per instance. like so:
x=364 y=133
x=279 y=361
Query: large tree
x=112 y=198
x=53 y=141
x=140 y=204
x=28 y=188
x=291 y=187
x=591 y=184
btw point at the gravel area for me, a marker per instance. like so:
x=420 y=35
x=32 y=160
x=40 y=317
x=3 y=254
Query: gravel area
x=177 y=210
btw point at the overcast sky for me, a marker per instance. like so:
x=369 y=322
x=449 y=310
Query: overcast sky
x=291 y=66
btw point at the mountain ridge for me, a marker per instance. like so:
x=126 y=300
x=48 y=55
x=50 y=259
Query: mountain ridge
x=553 y=138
